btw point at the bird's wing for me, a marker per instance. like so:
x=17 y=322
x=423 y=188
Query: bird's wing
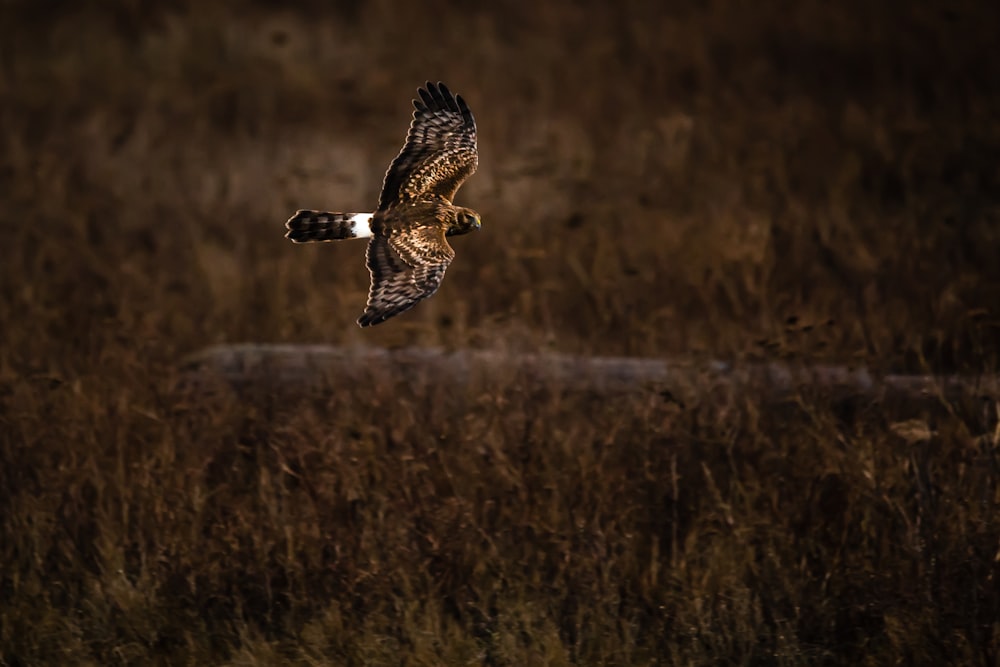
x=406 y=266
x=440 y=150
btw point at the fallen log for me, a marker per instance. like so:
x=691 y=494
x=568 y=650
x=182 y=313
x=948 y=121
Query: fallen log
x=284 y=368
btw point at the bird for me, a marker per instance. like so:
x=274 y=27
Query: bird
x=408 y=251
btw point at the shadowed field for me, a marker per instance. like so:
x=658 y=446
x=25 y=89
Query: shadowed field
x=806 y=181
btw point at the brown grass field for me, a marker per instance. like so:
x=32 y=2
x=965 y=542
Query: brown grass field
x=815 y=181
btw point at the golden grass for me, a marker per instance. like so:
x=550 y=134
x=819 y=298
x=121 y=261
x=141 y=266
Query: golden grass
x=652 y=182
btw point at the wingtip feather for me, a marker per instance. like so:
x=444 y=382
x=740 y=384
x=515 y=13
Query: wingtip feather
x=370 y=318
x=438 y=96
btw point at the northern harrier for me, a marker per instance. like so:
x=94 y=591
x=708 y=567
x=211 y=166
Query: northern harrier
x=408 y=254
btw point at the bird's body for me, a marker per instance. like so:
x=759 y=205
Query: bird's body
x=407 y=251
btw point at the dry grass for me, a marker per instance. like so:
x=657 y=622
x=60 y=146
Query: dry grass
x=652 y=182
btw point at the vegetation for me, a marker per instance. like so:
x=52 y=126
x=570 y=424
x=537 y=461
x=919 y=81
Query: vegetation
x=732 y=180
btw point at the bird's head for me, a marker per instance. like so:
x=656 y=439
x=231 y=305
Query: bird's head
x=466 y=220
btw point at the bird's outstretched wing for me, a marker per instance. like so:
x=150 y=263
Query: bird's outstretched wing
x=440 y=150
x=406 y=266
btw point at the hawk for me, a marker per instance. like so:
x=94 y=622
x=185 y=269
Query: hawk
x=408 y=251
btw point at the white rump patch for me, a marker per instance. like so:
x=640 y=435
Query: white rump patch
x=362 y=225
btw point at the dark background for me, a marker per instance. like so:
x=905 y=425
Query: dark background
x=797 y=180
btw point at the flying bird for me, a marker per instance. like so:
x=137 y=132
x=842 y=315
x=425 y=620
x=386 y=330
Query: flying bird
x=408 y=251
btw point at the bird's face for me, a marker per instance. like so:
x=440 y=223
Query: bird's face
x=466 y=220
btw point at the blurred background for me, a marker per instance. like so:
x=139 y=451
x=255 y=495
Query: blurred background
x=770 y=180
x=654 y=179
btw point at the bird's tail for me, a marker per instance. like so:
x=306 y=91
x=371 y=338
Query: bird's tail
x=312 y=226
